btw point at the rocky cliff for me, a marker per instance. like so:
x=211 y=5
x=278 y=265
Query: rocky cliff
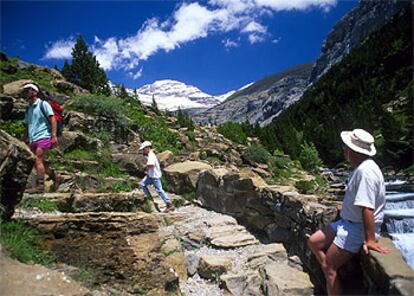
x=353 y=28
x=261 y=101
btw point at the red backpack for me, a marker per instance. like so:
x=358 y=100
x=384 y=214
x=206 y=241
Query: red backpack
x=57 y=112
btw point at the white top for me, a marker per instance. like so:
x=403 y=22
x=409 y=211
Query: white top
x=366 y=188
x=155 y=170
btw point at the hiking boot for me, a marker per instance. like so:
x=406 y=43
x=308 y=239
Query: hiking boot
x=169 y=208
x=36 y=189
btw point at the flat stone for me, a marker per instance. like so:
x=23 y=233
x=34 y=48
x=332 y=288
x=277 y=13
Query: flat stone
x=235 y=240
x=210 y=266
x=285 y=280
x=243 y=283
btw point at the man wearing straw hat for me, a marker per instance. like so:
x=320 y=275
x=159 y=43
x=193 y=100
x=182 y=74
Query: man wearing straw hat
x=361 y=215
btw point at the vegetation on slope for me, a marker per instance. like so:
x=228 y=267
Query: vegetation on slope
x=372 y=88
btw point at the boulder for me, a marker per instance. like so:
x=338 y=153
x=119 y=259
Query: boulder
x=71 y=140
x=210 y=267
x=182 y=177
x=35 y=280
x=68 y=87
x=243 y=283
x=16 y=162
x=133 y=163
x=165 y=158
x=123 y=249
x=15 y=88
x=284 y=280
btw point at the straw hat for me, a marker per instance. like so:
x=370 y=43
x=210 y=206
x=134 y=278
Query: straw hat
x=359 y=141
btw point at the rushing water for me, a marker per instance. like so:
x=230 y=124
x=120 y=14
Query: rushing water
x=399 y=219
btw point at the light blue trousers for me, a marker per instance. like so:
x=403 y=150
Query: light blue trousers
x=158 y=187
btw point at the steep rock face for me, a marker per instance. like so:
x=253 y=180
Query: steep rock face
x=16 y=162
x=351 y=30
x=261 y=101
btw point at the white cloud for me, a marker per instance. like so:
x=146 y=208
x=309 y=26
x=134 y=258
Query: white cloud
x=106 y=52
x=60 y=49
x=276 y=40
x=137 y=75
x=189 y=22
x=254 y=27
x=230 y=43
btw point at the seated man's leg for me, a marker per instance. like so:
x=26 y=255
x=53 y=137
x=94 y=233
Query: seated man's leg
x=320 y=241
x=160 y=191
x=144 y=186
x=335 y=258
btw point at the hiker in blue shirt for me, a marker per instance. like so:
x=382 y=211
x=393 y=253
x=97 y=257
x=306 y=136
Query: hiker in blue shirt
x=41 y=132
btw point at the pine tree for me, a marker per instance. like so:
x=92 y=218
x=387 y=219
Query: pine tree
x=154 y=105
x=66 y=71
x=86 y=71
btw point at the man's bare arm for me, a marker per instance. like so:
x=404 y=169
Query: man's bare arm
x=369 y=229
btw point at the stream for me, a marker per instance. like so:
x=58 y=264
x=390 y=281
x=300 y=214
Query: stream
x=399 y=217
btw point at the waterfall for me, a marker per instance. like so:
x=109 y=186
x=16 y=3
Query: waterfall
x=399 y=217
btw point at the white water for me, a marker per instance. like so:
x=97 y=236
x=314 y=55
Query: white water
x=405 y=243
x=399 y=215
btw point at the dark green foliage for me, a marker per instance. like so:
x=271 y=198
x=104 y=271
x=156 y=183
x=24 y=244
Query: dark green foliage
x=184 y=120
x=15 y=128
x=233 y=131
x=154 y=106
x=85 y=70
x=66 y=71
x=256 y=154
x=120 y=91
x=309 y=157
x=24 y=243
x=306 y=187
x=371 y=88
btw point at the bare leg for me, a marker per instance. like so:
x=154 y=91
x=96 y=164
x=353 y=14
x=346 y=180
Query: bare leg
x=320 y=241
x=40 y=167
x=334 y=259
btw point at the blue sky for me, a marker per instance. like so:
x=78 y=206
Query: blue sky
x=216 y=45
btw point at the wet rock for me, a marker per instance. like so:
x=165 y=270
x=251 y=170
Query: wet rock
x=387 y=273
x=183 y=176
x=16 y=162
x=210 y=267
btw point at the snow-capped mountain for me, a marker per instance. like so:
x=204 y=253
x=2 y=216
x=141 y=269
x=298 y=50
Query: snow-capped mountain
x=172 y=95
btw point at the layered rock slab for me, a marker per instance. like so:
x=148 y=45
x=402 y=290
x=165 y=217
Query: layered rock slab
x=122 y=248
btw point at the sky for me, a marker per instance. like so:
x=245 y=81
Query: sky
x=216 y=45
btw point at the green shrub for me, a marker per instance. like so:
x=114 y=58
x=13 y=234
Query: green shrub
x=80 y=154
x=24 y=243
x=184 y=120
x=43 y=204
x=309 y=157
x=15 y=128
x=305 y=187
x=256 y=154
x=110 y=107
x=233 y=131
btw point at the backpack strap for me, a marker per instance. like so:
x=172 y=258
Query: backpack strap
x=42 y=109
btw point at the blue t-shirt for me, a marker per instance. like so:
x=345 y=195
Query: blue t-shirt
x=38 y=125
